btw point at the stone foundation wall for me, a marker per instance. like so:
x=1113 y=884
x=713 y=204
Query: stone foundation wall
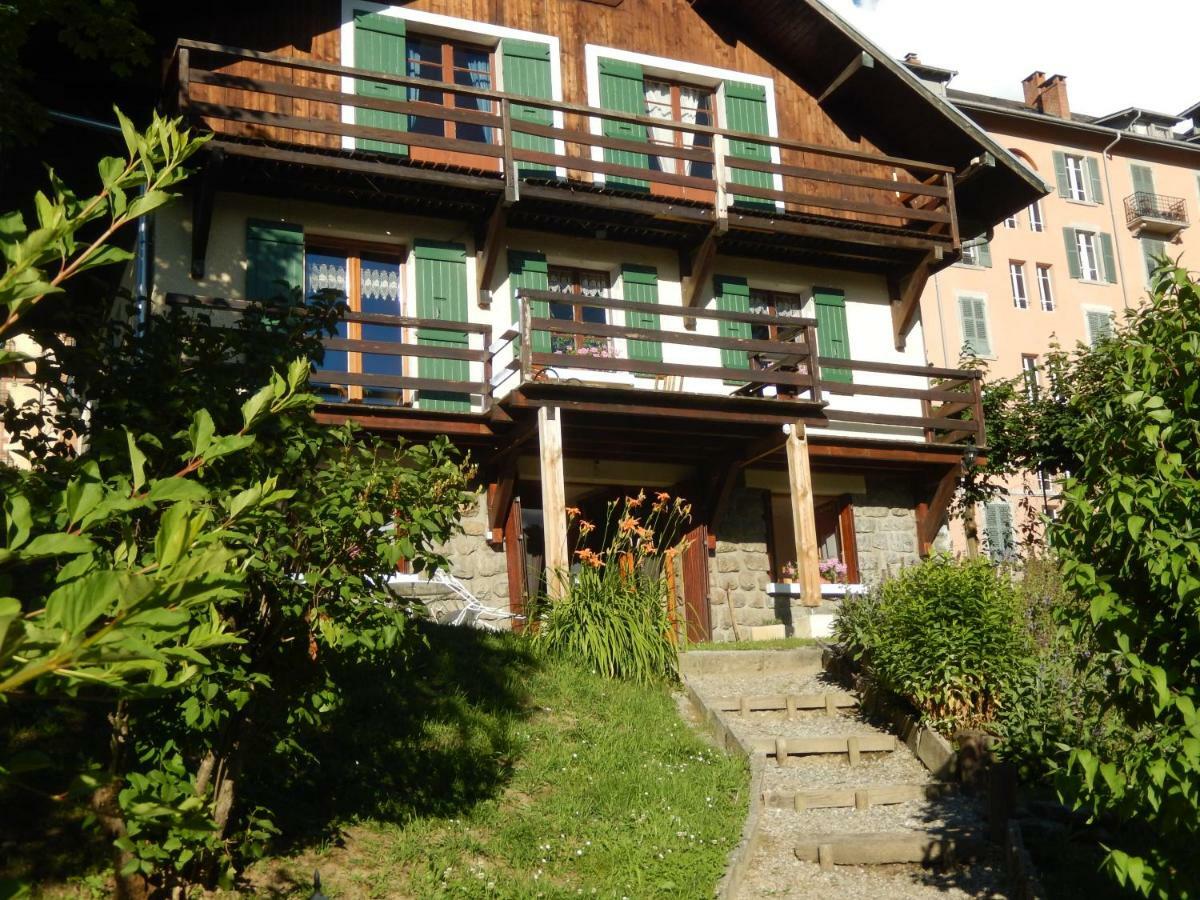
x=739 y=572
x=474 y=562
x=885 y=527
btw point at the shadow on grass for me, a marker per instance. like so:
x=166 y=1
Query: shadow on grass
x=433 y=742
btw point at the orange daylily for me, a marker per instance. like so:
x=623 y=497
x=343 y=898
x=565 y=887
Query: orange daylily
x=589 y=557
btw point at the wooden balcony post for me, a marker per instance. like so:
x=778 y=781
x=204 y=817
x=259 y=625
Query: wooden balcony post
x=526 y=339
x=183 y=79
x=952 y=209
x=814 y=368
x=488 y=357
x=554 y=502
x=720 y=176
x=804 y=516
x=512 y=183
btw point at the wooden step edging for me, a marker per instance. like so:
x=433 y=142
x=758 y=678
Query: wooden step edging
x=885 y=848
x=829 y=701
x=852 y=745
x=860 y=798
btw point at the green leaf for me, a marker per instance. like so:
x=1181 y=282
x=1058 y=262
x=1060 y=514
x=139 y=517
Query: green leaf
x=169 y=490
x=137 y=461
x=201 y=432
x=10 y=610
x=58 y=544
x=173 y=534
x=20 y=520
x=76 y=605
x=104 y=256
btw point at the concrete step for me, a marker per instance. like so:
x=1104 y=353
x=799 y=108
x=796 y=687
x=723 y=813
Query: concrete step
x=852 y=745
x=830 y=701
x=886 y=848
x=859 y=798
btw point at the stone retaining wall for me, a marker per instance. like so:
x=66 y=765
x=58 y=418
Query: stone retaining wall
x=885 y=527
x=474 y=562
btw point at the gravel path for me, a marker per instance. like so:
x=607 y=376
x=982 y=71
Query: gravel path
x=775 y=872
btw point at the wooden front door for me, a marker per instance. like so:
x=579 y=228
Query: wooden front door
x=695 y=586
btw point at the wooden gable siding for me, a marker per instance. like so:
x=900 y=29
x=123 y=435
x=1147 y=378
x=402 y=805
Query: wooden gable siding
x=666 y=28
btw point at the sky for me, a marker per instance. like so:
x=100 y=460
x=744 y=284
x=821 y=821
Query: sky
x=1115 y=53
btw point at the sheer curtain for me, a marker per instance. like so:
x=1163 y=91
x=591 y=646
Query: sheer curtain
x=658 y=106
x=689 y=112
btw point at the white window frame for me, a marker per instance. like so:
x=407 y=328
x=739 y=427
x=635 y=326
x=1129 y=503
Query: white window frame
x=1037 y=221
x=449 y=27
x=1087 y=327
x=679 y=70
x=1016 y=280
x=1032 y=372
x=1011 y=221
x=1078 y=181
x=1045 y=280
x=1089 y=241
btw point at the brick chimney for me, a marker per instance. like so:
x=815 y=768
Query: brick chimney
x=1047 y=95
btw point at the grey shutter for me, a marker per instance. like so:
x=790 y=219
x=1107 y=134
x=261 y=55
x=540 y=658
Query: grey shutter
x=1099 y=325
x=1152 y=251
x=985 y=254
x=1143 y=179
x=999 y=530
x=1106 y=258
x=1093 y=171
x=1072 y=246
x=1060 y=174
x=972 y=312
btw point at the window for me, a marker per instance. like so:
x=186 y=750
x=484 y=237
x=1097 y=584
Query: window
x=774 y=303
x=1016 y=278
x=1089 y=259
x=1152 y=251
x=1045 y=482
x=686 y=105
x=454 y=62
x=1010 y=222
x=1045 y=287
x=1099 y=324
x=977 y=253
x=972 y=312
x=1036 y=222
x=998 y=530
x=1077 y=188
x=580 y=282
x=835 y=533
x=1029 y=369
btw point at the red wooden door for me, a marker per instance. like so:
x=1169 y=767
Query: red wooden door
x=695 y=586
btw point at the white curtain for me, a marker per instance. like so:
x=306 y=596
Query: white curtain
x=689 y=107
x=658 y=106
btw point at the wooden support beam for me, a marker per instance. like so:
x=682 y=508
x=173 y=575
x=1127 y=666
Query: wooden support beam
x=864 y=60
x=931 y=515
x=764 y=447
x=554 y=502
x=487 y=251
x=500 y=498
x=203 y=198
x=721 y=483
x=701 y=270
x=906 y=297
x=804 y=516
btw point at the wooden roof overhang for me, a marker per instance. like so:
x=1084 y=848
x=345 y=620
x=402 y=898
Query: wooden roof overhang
x=880 y=101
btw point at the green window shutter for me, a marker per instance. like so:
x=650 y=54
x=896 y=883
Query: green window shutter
x=972 y=312
x=733 y=295
x=1060 y=174
x=746 y=111
x=528 y=271
x=1106 y=257
x=441 y=278
x=1152 y=251
x=1074 y=269
x=274 y=260
x=380 y=45
x=1099 y=325
x=999 y=530
x=1143 y=179
x=1095 y=194
x=622 y=88
x=526 y=71
x=985 y=254
x=833 y=332
x=641 y=286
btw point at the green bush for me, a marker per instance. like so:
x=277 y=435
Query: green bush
x=614 y=617
x=946 y=635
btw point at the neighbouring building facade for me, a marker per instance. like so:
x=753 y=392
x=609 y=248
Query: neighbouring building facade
x=608 y=245
x=1125 y=190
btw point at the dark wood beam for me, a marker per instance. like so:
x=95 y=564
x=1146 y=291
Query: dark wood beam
x=906 y=297
x=701 y=270
x=510 y=444
x=487 y=250
x=764 y=447
x=203 y=198
x=721 y=478
x=930 y=516
x=864 y=60
x=500 y=497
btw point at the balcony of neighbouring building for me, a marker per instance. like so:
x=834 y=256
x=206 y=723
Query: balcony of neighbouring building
x=1155 y=214
x=305 y=127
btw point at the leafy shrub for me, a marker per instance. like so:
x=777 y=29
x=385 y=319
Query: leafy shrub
x=944 y=634
x=1129 y=538
x=614 y=617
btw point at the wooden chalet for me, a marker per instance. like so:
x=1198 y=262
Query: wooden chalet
x=607 y=245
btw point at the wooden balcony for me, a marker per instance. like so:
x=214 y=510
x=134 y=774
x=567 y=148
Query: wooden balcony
x=294 y=125
x=671 y=372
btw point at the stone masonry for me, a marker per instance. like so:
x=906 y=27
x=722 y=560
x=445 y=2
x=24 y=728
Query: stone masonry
x=885 y=527
x=483 y=569
x=739 y=573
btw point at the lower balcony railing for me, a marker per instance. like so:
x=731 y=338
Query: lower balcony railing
x=1144 y=205
x=376 y=362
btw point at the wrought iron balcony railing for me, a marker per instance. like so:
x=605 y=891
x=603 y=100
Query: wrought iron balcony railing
x=1144 y=205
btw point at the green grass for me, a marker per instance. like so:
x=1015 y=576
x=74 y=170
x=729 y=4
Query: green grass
x=570 y=784
x=780 y=644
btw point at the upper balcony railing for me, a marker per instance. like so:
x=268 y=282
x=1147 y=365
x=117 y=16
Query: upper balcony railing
x=761 y=180
x=1143 y=206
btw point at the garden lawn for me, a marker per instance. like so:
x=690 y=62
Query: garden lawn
x=526 y=778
